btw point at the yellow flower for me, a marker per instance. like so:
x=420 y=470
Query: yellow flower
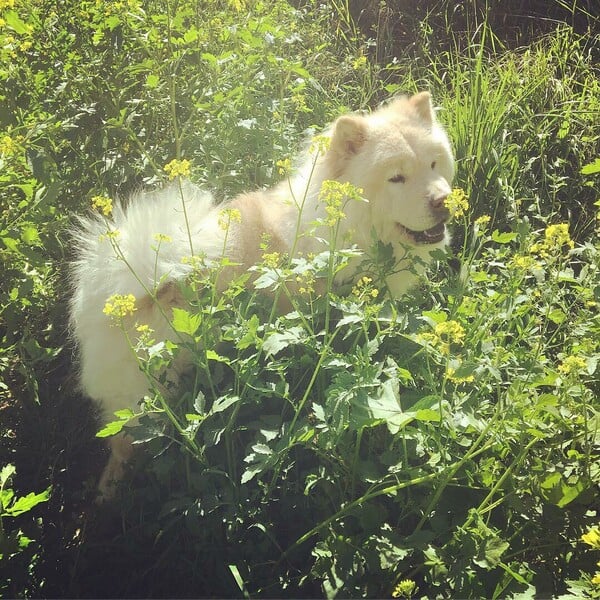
x=483 y=220
x=228 y=216
x=596 y=579
x=320 y=144
x=103 y=204
x=335 y=194
x=178 y=168
x=444 y=334
x=271 y=259
x=162 y=238
x=453 y=331
x=10 y=145
x=524 y=263
x=7 y=4
x=572 y=365
x=359 y=63
x=404 y=589
x=284 y=166
x=451 y=375
x=592 y=538
x=555 y=238
x=558 y=235
x=457 y=202
x=119 y=306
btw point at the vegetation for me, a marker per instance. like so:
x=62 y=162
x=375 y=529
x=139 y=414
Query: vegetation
x=444 y=445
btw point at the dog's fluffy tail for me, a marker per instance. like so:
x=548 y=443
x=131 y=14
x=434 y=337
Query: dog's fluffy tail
x=139 y=249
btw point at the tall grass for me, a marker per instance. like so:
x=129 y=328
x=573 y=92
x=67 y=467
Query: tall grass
x=446 y=444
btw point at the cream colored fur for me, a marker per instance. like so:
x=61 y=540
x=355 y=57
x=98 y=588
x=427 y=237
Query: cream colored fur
x=398 y=155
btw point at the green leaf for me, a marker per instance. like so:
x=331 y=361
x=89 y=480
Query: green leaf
x=277 y=341
x=26 y=503
x=111 y=428
x=592 y=168
x=503 y=238
x=15 y=23
x=185 y=322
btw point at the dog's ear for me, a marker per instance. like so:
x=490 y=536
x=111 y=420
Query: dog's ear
x=349 y=134
x=422 y=105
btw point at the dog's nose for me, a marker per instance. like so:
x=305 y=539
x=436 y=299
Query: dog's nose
x=438 y=206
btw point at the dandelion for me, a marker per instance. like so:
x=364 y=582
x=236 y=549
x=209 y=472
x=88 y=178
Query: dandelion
x=572 y=365
x=119 y=306
x=178 y=168
x=334 y=194
x=228 y=216
x=103 y=204
x=592 y=538
x=457 y=202
x=404 y=589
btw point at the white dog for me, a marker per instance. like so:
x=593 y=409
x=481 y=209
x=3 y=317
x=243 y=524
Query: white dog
x=399 y=156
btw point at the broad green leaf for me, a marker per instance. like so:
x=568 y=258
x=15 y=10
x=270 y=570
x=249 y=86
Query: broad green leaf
x=503 y=238
x=111 y=428
x=185 y=322
x=26 y=503
x=277 y=341
x=592 y=168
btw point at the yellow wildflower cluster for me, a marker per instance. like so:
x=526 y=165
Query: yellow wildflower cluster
x=522 y=262
x=572 y=365
x=284 y=166
x=364 y=289
x=444 y=334
x=271 y=259
x=335 y=194
x=228 y=216
x=556 y=237
x=145 y=335
x=10 y=145
x=306 y=282
x=7 y=4
x=119 y=306
x=103 y=204
x=320 y=144
x=405 y=589
x=178 y=168
x=457 y=202
x=162 y=238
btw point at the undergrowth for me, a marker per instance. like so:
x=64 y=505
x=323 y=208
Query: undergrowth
x=443 y=445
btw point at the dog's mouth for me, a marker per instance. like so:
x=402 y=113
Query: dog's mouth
x=434 y=235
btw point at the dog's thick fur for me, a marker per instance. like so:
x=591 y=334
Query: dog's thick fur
x=398 y=155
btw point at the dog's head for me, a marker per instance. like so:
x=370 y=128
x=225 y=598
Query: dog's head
x=401 y=157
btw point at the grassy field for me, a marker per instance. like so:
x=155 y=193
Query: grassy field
x=443 y=445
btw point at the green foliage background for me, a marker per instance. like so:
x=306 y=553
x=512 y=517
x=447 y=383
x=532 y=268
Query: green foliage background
x=344 y=450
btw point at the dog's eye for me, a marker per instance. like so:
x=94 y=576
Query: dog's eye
x=397 y=179
x=433 y=165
